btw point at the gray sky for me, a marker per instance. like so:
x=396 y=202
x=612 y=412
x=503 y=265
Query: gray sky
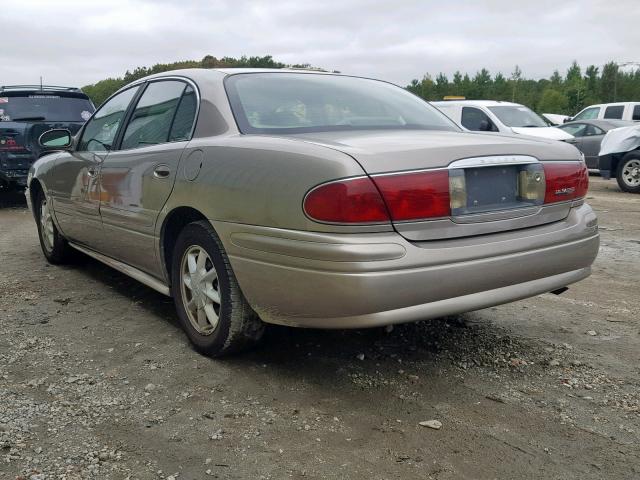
x=76 y=42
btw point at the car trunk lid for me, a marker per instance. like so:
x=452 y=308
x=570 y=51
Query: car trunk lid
x=491 y=169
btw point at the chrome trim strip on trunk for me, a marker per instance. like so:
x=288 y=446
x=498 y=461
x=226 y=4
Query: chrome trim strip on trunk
x=491 y=161
x=128 y=270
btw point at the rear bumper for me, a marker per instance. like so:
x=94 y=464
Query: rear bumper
x=12 y=178
x=350 y=281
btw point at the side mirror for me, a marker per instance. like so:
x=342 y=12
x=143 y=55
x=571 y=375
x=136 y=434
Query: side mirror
x=567 y=119
x=56 y=139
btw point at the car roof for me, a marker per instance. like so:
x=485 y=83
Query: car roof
x=482 y=103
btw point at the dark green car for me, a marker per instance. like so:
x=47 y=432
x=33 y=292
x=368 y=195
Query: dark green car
x=26 y=112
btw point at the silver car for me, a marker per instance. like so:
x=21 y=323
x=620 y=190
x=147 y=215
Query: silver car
x=310 y=200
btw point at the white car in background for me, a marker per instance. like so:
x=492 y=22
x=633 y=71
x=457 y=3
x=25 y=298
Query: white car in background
x=610 y=111
x=497 y=116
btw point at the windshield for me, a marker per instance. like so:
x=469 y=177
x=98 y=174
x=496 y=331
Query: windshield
x=518 y=116
x=44 y=107
x=302 y=102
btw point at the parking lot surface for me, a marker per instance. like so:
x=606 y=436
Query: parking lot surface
x=98 y=381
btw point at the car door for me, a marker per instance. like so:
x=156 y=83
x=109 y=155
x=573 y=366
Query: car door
x=590 y=145
x=136 y=179
x=74 y=189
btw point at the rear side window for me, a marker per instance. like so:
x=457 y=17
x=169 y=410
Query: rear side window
x=183 y=121
x=151 y=120
x=636 y=113
x=578 y=130
x=476 y=120
x=592 y=130
x=615 y=111
x=588 y=114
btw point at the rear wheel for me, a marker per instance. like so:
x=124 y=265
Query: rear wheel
x=629 y=173
x=55 y=247
x=212 y=309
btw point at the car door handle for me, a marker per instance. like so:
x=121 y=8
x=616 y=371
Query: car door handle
x=161 y=171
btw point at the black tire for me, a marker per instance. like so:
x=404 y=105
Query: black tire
x=57 y=251
x=238 y=326
x=631 y=158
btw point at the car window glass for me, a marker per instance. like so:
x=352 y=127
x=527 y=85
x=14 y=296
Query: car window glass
x=592 y=130
x=518 y=116
x=577 y=130
x=636 y=113
x=152 y=117
x=183 y=121
x=476 y=120
x=614 y=111
x=588 y=114
x=100 y=131
x=307 y=102
x=45 y=106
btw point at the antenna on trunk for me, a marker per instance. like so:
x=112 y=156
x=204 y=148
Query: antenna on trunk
x=40 y=82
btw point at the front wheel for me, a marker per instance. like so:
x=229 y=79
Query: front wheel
x=55 y=247
x=629 y=173
x=212 y=309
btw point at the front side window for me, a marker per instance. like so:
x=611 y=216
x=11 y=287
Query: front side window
x=100 y=131
x=588 y=114
x=518 y=116
x=636 y=113
x=476 y=120
x=284 y=103
x=614 y=111
x=152 y=118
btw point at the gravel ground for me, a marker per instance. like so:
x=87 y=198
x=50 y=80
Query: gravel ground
x=97 y=381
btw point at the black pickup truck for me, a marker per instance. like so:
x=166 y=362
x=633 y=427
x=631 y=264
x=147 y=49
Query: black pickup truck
x=26 y=112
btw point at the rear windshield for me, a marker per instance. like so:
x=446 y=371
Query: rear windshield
x=302 y=102
x=32 y=107
x=518 y=116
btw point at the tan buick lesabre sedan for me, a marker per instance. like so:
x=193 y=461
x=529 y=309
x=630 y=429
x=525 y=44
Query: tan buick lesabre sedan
x=311 y=200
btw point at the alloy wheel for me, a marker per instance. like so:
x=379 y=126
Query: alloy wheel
x=46 y=225
x=200 y=290
x=631 y=173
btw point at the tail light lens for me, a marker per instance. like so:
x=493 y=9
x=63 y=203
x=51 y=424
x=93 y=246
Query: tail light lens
x=354 y=200
x=395 y=197
x=565 y=181
x=416 y=196
x=435 y=193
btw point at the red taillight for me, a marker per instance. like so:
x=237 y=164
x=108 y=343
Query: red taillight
x=355 y=200
x=416 y=195
x=565 y=181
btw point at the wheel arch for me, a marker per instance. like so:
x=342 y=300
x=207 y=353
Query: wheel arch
x=35 y=188
x=173 y=223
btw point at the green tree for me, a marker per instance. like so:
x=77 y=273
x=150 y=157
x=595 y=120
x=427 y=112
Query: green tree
x=553 y=101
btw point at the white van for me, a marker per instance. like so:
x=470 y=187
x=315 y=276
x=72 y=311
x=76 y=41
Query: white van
x=618 y=111
x=496 y=116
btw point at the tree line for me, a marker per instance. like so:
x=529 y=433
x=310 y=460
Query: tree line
x=100 y=91
x=565 y=94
